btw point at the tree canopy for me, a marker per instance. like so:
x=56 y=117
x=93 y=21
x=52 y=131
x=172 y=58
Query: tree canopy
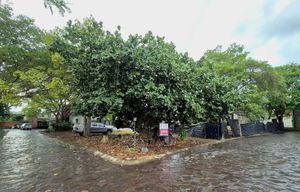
x=99 y=73
x=261 y=87
x=291 y=76
x=143 y=77
x=30 y=71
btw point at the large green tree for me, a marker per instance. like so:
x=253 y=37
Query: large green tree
x=30 y=71
x=19 y=43
x=51 y=90
x=262 y=88
x=221 y=96
x=291 y=75
x=141 y=77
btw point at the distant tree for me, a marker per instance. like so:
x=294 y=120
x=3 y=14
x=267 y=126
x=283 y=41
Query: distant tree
x=20 y=49
x=291 y=75
x=50 y=88
x=31 y=110
x=221 y=96
x=257 y=80
x=29 y=71
x=4 y=112
x=16 y=117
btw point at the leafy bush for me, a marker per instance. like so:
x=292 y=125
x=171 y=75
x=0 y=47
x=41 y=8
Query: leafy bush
x=62 y=126
x=183 y=133
x=17 y=117
x=2 y=132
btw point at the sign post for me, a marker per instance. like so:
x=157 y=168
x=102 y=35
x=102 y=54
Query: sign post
x=134 y=126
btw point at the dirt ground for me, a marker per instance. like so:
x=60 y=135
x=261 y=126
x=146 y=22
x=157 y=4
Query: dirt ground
x=122 y=147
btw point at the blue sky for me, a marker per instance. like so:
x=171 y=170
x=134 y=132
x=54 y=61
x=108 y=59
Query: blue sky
x=269 y=29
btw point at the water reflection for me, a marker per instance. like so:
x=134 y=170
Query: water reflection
x=31 y=161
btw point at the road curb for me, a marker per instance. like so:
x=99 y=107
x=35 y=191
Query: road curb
x=120 y=162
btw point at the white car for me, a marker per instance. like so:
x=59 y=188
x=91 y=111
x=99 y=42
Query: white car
x=95 y=128
x=26 y=126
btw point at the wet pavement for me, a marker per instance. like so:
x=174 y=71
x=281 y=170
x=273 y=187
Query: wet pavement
x=31 y=161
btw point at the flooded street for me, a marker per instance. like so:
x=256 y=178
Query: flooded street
x=31 y=161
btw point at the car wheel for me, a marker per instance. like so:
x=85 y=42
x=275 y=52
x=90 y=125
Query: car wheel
x=108 y=132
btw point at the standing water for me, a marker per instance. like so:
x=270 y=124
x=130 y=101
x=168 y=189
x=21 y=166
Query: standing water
x=31 y=161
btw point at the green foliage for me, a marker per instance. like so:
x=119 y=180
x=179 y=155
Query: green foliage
x=20 y=49
x=258 y=83
x=31 y=110
x=16 y=117
x=4 y=112
x=141 y=77
x=2 y=133
x=31 y=72
x=221 y=96
x=291 y=75
x=100 y=74
x=183 y=133
x=62 y=126
x=50 y=87
x=254 y=105
x=61 y=5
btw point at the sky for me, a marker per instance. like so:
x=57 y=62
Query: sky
x=269 y=29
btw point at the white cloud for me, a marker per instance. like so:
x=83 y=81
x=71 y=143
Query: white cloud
x=193 y=25
x=281 y=5
x=269 y=52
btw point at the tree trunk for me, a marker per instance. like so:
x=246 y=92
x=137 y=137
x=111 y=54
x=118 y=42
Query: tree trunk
x=280 y=121
x=87 y=126
x=65 y=113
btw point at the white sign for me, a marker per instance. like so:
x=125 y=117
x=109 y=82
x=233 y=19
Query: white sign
x=163 y=129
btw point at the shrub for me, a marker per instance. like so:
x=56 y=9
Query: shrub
x=2 y=132
x=183 y=133
x=62 y=126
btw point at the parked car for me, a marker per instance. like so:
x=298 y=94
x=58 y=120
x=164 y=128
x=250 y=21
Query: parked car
x=95 y=128
x=26 y=126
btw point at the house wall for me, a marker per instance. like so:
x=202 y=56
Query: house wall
x=8 y=124
x=73 y=118
x=288 y=121
x=33 y=120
